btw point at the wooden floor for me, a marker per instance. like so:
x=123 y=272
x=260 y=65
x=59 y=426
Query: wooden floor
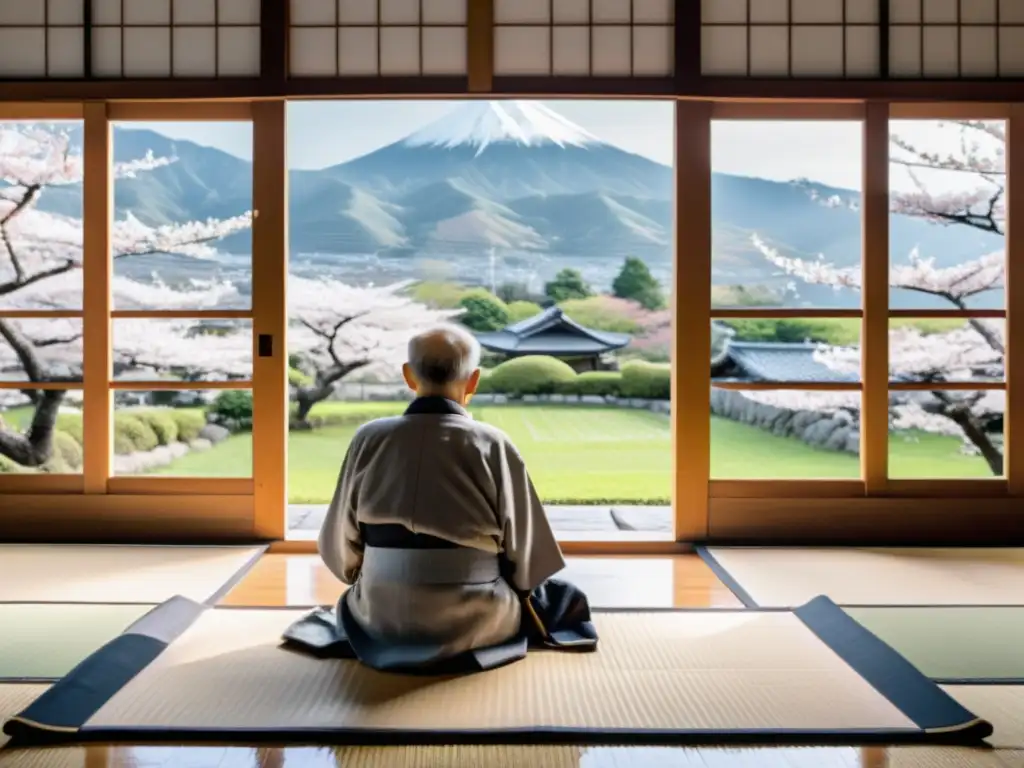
x=657 y=582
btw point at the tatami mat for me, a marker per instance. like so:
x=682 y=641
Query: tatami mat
x=74 y=573
x=14 y=697
x=666 y=674
x=951 y=643
x=790 y=576
x=46 y=640
x=1001 y=705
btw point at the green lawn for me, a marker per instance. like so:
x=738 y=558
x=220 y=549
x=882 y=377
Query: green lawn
x=589 y=454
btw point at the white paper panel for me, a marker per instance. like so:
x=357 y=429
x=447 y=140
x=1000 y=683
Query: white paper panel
x=723 y=50
x=238 y=51
x=611 y=55
x=22 y=12
x=314 y=12
x=978 y=11
x=654 y=11
x=978 y=52
x=940 y=52
x=399 y=12
x=817 y=12
x=147 y=12
x=905 y=52
x=147 y=52
x=1011 y=51
x=522 y=12
x=444 y=51
x=239 y=12
x=770 y=12
x=723 y=12
x=940 y=11
x=861 y=11
x=311 y=52
x=610 y=11
x=65 y=12
x=521 y=51
x=195 y=12
x=195 y=52
x=905 y=11
x=399 y=51
x=106 y=12
x=571 y=54
x=571 y=12
x=653 y=51
x=106 y=52
x=357 y=12
x=66 y=51
x=817 y=51
x=1011 y=12
x=444 y=12
x=862 y=52
x=357 y=52
x=769 y=51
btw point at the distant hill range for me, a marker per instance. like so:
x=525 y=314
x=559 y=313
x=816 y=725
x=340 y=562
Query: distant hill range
x=517 y=177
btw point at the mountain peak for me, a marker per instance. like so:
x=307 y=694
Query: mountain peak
x=481 y=123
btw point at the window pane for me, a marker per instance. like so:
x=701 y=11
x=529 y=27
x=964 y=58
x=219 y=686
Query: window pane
x=42 y=432
x=41 y=215
x=947 y=349
x=790 y=350
x=785 y=207
x=784 y=434
x=182 y=350
x=183 y=433
x=40 y=349
x=183 y=196
x=948 y=225
x=946 y=434
x=544 y=227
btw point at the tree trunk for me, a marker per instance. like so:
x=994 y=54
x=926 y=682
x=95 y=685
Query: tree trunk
x=974 y=432
x=307 y=397
x=35 y=447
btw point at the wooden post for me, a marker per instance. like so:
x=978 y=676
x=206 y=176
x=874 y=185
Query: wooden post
x=270 y=319
x=97 y=268
x=874 y=425
x=480 y=45
x=691 y=329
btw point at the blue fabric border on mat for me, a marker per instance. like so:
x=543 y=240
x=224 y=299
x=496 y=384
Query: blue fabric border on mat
x=906 y=687
x=725 y=577
x=69 y=703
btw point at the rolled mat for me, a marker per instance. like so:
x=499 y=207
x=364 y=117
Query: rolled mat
x=188 y=672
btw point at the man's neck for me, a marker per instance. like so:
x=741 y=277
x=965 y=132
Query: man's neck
x=455 y=397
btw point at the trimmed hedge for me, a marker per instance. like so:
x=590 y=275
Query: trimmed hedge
x=530 y=375
x=161 y=422
x=600 y=383
x=648 y=381
x=132 y=434
x=190 y=423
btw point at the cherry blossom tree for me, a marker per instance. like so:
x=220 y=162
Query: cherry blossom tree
x=339 y=329
x=974 y=352
x=40 y=269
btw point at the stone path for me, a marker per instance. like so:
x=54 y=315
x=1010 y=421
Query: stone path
x=309 y=517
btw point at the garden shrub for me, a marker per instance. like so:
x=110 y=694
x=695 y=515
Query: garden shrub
x=66 y=456
x=8 y=467
x=530 y=375
x=603 y=383
x=71 y=424
x=135 y=433
x=296 y=378
x=483 y=311
x=522 y=310
x=232 y=409
x=161 y=422
x=647 y=381
x=189 y=421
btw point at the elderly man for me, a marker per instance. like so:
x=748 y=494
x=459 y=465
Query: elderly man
x=437 y=527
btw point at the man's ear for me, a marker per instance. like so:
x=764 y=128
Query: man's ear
x=473 y=382
x=410 y=379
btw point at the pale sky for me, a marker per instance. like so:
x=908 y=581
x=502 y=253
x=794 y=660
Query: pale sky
x=323 y=133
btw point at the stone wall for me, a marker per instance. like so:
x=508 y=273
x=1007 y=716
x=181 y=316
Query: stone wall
x=820 y=429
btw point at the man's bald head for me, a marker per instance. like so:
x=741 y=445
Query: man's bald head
x=444 y=355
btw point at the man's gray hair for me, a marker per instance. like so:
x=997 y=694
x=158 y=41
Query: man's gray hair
x=443 y=355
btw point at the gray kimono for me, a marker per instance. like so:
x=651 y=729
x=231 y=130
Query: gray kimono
x=436 y=525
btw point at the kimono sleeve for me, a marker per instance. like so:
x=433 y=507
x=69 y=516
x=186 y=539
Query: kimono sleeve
x=529 y=543
x=340 y=543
